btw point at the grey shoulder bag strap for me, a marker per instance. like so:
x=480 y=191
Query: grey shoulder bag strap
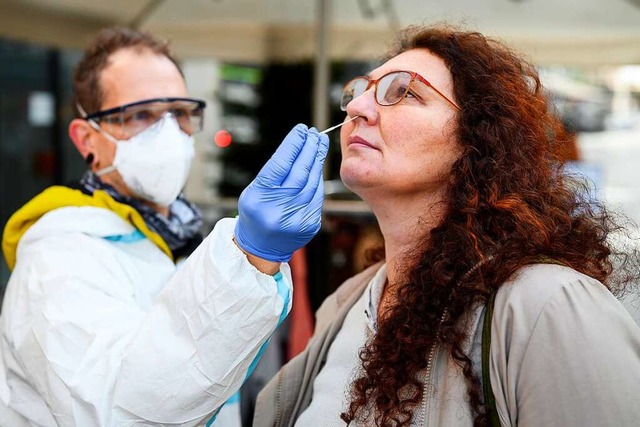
x=489 y=400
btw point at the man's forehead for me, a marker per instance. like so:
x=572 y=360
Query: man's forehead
x=133 y=75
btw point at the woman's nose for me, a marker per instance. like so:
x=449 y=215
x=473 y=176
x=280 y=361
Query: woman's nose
x=364 y=106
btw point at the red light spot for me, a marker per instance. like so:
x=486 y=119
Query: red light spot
x=222 y=138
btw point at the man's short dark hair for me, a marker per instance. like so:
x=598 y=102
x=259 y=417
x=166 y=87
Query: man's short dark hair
x=86 y=77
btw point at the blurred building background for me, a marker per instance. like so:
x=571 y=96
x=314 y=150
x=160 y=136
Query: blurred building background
x=263 y=66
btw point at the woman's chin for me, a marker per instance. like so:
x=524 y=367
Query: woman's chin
x=356 y=180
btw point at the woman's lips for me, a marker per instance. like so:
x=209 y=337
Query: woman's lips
x=357 y=141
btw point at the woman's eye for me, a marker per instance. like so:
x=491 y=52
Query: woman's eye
x=400 y=91
x=410 y=94
x=395 y=93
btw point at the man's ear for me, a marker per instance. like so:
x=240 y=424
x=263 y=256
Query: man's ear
x=80 y=134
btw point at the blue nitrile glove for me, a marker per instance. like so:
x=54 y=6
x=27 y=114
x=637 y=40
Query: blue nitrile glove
x=279 y=212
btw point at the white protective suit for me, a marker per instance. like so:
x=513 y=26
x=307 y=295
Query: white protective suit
x=99 y=327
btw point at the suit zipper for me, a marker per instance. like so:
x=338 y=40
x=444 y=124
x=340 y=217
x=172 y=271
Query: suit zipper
x=427 y=383
x=422 y=418
x=278 y=398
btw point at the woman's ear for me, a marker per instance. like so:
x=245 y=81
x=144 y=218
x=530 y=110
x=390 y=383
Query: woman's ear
x=80 y=134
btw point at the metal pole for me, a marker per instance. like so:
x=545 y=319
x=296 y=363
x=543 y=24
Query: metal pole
x=144 y=14
x=321 y=75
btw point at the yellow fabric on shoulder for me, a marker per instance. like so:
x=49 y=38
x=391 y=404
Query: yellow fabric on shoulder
x=58 y=197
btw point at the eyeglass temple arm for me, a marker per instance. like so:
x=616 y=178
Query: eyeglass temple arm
x=445 y=97
x=442 y=95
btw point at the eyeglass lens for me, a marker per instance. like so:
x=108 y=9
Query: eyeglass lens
x=389 y=90
x=137 y=118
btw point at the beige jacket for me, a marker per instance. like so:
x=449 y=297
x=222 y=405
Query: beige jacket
x=564 y=352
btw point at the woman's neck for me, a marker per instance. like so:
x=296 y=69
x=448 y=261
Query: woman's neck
x=404 y=227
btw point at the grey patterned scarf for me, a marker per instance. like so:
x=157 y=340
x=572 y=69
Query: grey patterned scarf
x=181 y=226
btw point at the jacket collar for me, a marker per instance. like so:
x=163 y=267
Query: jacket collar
x=59 y=197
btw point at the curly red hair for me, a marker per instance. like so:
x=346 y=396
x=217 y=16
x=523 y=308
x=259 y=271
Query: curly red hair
x=509 y=203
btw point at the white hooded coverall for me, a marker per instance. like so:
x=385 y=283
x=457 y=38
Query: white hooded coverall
x=100 y=328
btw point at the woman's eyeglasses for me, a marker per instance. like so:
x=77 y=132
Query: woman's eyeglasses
x=389 y=89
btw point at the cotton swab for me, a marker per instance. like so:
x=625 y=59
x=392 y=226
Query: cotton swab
x=338 y=125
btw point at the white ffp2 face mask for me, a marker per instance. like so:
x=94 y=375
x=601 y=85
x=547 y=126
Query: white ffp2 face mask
x=154 y=163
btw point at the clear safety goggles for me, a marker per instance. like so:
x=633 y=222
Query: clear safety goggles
x=390 y=89
x=127 y=120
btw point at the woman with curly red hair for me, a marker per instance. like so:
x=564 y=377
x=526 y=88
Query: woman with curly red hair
x=453 y=150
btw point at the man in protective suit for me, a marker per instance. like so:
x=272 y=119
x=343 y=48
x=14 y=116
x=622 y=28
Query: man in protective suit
x=100 y=326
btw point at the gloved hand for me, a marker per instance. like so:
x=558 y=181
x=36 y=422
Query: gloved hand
x=280 y=211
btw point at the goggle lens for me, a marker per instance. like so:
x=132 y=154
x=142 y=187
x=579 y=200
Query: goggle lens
x=136 y=118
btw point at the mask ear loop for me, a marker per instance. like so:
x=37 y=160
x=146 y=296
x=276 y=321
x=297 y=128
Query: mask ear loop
x=97 y=127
